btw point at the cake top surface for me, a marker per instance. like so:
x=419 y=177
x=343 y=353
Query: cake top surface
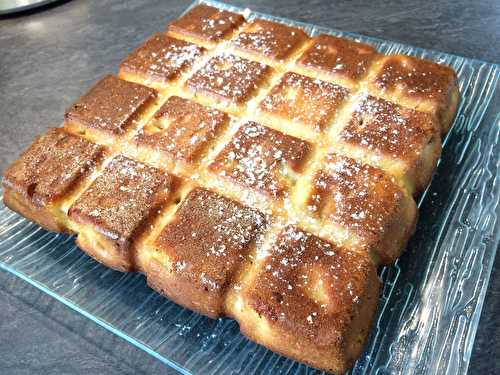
x=52 y=166
x=206 y=23
x=389 y=129
x=337 y=57
x=301 y=99
x=415 y=78
x=228 y=77
x=208 y=237
x=122 y=198
x=309 y=285
x=356 y=196
x=258 y=158
x=182 y=129
x=162 y=58
x=269 y=39
x=111 y=105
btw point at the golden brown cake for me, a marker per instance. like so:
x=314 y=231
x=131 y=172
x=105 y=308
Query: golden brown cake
x=269 y=41
x=337 y=59
x=40 y=183
x=116 y=208
x=161 y=59
x=309 y=300
x=248 y=170
x=306 y=103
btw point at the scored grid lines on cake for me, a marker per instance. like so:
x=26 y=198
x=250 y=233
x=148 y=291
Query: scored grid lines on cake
x=229 y=78
x=262 y=159
x=206 y=24
x=263 y=38
x=161 y=59
x=207 y=240
x=112 y=105
x=182 y=129
x=388 y=129
x=337 y=58
x=304 y=100
x=420 y=84
x=263 y=156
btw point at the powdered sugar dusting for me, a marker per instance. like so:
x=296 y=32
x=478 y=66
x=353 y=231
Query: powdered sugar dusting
x=228 y=77
x=257 y=157
x=385 y=127
x=355 y=196
x=269 y=39
x=305 y=100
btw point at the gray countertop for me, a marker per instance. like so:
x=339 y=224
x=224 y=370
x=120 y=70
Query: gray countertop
x=47 y=59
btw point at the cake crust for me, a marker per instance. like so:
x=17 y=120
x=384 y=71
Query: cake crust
x=203 y=246
x=273 y=40
x=311 y=286
x=337 y=57
x=305 y=101
x=256 y=157
x=161 y=59
x=182 y=129
x=228 y=78
x=46 y=173
x=116 y=208
x=206 y=24
x=110 y=106
x=249 y=170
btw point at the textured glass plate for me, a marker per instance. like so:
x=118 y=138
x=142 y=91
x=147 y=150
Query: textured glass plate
x=432 y=297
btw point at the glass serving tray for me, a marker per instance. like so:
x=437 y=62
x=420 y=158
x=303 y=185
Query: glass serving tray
x=431 y=300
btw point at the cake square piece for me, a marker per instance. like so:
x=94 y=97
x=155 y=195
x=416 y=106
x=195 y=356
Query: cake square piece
x=181 y=129
x=38 y=183
x=206 y=24
x=262 y=159
x=111 y=106
x=194 y=258
x=377 y=213
x=267 y=39
x=419 y=84
x=402 y=140
x=116 y=208
x=160 y=60
x=309 y=299
x=303 y=100
x=228 y=78
x=337 y=58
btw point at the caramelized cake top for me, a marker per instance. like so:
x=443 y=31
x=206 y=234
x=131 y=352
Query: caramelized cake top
x=415 y=78
x=269 y=39
x=258 y=157
x=161 y=58
x=301 y=99
x=355 y=196
x=298 y=289
x=206 y=23
x=229 y=78
x=111 y=105
x=208 y=238
x=337 y=57
x=309 y=285
x=182 y=129
x=389 y=129
x=52 y=166
x=122 y=199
